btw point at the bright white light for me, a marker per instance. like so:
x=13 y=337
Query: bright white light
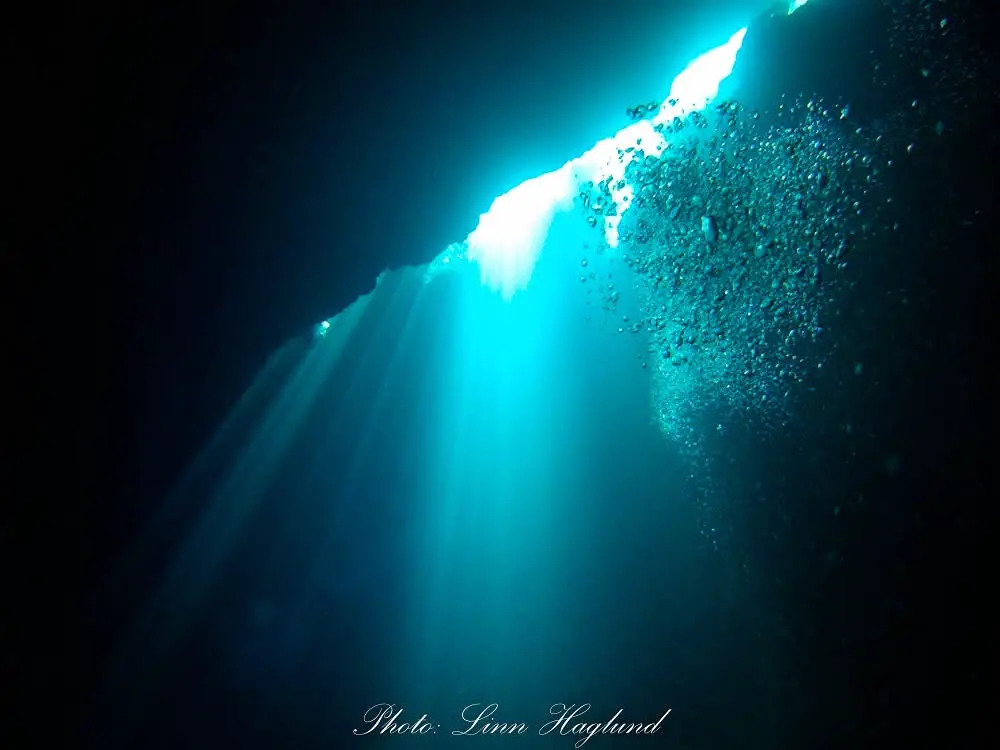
x=605 y=160
x=693 y=89
x=509 y=236
x=794 y=5
x=698 y=83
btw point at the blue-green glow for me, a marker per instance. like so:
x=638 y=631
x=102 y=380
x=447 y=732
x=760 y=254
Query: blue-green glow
x=510 y=235
x=506 y=243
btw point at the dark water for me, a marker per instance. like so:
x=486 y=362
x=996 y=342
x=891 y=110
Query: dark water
x=449 y=499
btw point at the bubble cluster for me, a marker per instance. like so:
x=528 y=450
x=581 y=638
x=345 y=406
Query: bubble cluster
x=737 y=237
x=741 y=234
